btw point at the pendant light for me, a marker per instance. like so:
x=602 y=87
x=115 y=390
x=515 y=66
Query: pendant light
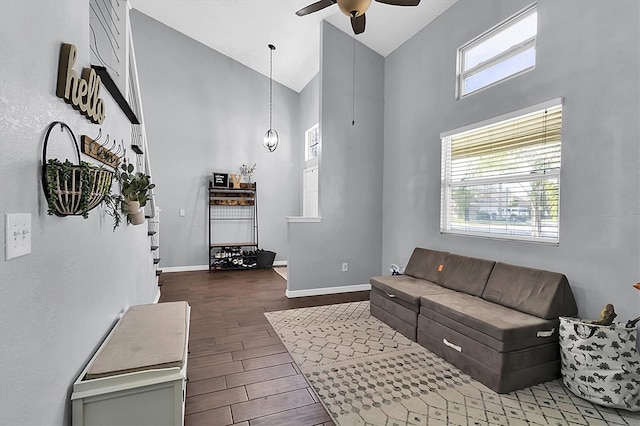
x=271 y=138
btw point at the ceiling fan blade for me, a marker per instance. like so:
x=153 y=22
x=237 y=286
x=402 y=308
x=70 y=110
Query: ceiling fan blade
x=358 y=24
x=314 y=7
x=400 y=2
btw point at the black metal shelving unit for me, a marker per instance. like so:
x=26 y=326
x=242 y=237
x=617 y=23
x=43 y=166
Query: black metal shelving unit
x=235 y=208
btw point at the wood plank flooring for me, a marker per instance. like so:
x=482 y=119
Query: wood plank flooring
x=238 y=371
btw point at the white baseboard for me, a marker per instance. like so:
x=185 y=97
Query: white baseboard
x=205 y=267
x=157 y=299
x=185 y=268
x=327 y=290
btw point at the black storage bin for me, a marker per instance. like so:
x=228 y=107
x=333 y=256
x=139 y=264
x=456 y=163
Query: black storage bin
x=265 y=258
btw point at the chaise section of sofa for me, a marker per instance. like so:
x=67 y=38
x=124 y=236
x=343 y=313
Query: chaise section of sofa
x=395 y=300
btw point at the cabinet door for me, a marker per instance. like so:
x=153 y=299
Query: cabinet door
x=160 y=404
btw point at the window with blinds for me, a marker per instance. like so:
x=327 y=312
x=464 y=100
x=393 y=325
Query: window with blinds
x=501 y=178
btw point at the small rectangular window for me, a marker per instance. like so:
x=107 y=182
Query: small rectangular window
x=501 y=179
x=504 y=51
x=312 y=143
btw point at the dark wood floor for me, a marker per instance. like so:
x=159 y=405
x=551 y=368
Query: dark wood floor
x=238 y=370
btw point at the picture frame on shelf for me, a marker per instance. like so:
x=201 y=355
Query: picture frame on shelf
x=220 y=180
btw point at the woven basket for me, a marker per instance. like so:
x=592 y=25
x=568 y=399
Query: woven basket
x=69 y=188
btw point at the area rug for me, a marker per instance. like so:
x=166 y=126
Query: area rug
x=365 y=373
x=281 y=270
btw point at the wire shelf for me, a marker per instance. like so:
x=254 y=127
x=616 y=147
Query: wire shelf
x=227 y=212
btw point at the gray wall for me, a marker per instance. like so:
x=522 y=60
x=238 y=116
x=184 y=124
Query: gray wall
x=207 y=113
x=586 y=53
x=350 y=200
x=56 y=304
x=309 y=116
x=309 y=107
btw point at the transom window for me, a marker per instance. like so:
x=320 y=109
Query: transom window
x=501 y=177
x=504 y=51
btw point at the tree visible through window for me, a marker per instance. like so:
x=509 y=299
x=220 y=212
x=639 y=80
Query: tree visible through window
x=502 y=179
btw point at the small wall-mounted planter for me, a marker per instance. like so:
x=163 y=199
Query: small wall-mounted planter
x=137 y=218
x=72 y=189
x=131 y=207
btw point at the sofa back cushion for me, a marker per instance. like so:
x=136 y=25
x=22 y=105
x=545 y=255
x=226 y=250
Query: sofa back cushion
x=425 y=264
x=466 y=274
x=533 y=291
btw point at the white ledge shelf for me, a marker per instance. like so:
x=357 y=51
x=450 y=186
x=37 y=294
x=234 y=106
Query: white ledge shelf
x=303 y=219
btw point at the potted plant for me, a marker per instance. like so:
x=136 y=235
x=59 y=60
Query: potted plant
x=248 y=172
x=72 y=189
x=134 y=193
x=135 y=189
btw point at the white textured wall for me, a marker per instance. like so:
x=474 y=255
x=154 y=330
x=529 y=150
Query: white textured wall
x=587 y=53
x=57 y=303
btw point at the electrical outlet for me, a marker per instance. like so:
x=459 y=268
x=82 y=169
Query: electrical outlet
x=182 y=212
x=345 y=267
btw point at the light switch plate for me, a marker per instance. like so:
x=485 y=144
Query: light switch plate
x=17 y=235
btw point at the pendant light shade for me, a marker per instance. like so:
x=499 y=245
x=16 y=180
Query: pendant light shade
x=271 y=138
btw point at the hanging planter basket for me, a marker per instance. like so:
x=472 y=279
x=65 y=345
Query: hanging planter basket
x=72 y=189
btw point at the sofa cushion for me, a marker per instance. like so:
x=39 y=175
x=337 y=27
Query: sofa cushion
x=501 y=371
x=405 y=328
x=541 y=293
x=406 y=288
x=496 y=326
x=406 y=311
x=426 y=264
x=146 y=337
x=466 y=274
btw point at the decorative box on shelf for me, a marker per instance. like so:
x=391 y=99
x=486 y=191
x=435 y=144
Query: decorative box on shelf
x=217 y=184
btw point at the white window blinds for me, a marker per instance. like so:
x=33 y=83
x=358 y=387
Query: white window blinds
x=502 y=179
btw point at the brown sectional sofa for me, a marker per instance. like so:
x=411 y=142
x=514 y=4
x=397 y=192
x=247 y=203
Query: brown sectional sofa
x=495 y=321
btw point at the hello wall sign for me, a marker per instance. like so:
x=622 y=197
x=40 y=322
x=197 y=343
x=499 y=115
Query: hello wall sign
x=83 y=91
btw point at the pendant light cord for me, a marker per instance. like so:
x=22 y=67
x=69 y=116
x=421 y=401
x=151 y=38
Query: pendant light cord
x=271 y=47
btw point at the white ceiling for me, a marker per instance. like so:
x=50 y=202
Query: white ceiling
x=242 y=29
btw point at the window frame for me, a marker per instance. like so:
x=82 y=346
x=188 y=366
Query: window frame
x=448 y=184
x=307 y=143
x=514 y=50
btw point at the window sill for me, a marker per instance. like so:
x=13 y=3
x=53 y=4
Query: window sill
x=303 y=219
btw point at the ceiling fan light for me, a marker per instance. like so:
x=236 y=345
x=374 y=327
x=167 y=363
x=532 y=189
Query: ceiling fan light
x=354 y=8
x=271 y=140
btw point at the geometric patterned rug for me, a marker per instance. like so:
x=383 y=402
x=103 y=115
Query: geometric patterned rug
x=365 y=373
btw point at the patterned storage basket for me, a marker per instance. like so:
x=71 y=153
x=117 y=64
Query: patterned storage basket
x=601 y=363
x=81 y=184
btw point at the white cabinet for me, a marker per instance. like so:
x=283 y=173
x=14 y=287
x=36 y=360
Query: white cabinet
x=138 y=375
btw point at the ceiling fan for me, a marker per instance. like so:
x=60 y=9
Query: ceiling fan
x=355 y=9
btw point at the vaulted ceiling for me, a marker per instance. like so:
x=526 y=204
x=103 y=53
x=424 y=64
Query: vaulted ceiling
x=242 y=29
